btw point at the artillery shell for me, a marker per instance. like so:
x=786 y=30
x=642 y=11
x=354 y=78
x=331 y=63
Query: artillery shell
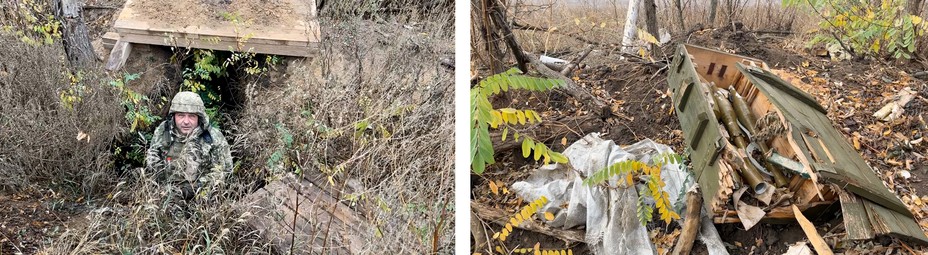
x=742 y=111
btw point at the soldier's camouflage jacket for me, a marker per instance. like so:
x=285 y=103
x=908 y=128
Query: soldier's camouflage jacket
x=201 y=158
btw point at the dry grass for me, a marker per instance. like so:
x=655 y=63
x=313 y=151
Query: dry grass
x=38 y=145
x=396 y=172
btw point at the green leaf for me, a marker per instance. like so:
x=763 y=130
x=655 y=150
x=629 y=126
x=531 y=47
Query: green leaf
x=527 y=145
x=558 y=157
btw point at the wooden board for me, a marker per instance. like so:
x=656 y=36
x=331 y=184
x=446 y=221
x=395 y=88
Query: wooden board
x=856 y=220
x=851 y=171
x=301 y=215
x=888 y=222
x=291 y=37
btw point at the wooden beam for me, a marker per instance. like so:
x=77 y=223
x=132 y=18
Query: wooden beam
x=118 y=55
x=690 y=224
x=201 y=43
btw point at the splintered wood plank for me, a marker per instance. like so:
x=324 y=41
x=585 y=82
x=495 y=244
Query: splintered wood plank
x=290 y=35
x=849 y=171
x=892 y=223
x=299 y=215
x=817 y=241
x=777 y=214
x=856 y=220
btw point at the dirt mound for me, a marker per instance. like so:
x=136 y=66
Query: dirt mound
x=211 y=13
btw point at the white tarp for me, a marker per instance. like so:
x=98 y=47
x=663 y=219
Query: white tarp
x=609 y=215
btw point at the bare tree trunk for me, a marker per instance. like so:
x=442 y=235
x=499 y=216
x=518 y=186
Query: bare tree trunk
x=730 y=12
x=486 y=38
x=913 y=7
x=713 y=6
x=678 y=10
x=650 y=17
x=499 y=17
x=628 y=37
x=74 y=33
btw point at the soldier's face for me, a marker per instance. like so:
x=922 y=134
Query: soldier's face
x=186 y=121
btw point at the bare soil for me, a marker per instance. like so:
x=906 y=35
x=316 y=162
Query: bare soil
x=28 y=220
x=212 y=13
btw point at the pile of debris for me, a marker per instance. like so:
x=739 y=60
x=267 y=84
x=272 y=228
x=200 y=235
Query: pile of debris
x=763 y=150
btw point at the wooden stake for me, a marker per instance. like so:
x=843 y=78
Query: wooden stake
x=691 y=224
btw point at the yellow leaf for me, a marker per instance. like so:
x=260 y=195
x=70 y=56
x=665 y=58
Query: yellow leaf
x=602 y=25
x=576 y=21
x=537 y=247
x=494 y=188
x=564 y=141
x=539 y=150
x=549 y=216
x=647 y=37
x=505 y=132
x=509 y=227
x=496 y=235
x=521 y=117
x=629 y=179
x=508 y=110
x=916 y=19
x=497 y=119
x=528 y=116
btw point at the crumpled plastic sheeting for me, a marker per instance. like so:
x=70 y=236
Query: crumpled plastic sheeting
x=612 y=226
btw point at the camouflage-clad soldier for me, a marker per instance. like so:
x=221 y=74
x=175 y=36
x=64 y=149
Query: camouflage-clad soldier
x=189 y=152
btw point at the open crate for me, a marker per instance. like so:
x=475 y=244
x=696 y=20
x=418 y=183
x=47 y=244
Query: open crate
x=794 y=136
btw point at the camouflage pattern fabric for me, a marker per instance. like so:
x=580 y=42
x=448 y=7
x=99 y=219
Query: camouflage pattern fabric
x=195 y=163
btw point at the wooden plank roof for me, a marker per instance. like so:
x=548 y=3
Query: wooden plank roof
x=295 y=34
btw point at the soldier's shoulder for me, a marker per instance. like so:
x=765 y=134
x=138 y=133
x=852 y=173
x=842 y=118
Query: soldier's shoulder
x=216 y=134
